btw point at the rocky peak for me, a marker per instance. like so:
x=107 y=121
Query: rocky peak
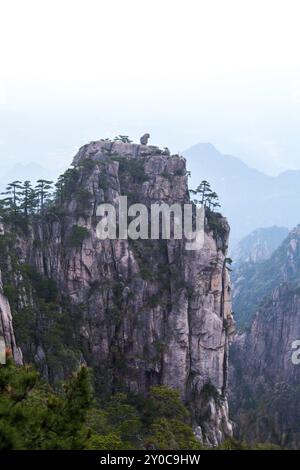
x=97 y=150
x=139 y=312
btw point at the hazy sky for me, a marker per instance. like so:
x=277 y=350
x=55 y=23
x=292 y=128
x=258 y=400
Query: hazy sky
x=225 y=71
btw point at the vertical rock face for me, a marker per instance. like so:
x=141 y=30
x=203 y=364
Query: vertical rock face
x=140 y=312
x=252 y=281
x=265 y=379
x=6 y=327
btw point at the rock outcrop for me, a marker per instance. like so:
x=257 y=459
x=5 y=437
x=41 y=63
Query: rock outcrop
x=139 y=312
x=264 y=379
x=6 y=327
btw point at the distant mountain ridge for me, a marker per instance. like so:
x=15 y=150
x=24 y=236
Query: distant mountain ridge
x=250 y=199
x=259 y=245
x=253 y=282
x=251 y=256
x=30 y=171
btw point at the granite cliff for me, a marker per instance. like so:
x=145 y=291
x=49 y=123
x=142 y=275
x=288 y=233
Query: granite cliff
x=138 y=312
x=6 y=327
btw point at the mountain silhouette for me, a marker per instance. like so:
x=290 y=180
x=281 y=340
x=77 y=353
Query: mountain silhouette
x=250 y=199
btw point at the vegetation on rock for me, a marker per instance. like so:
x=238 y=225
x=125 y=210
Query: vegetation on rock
x=34 y=416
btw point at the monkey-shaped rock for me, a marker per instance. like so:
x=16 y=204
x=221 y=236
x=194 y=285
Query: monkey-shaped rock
x=144 y=139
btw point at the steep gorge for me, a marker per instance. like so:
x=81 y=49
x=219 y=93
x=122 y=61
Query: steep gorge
x=265 y=398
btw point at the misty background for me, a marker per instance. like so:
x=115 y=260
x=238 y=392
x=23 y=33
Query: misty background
x=225 y=75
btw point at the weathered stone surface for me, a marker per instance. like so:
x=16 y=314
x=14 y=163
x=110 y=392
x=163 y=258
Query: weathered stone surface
x=144 y=139
x=103 y=148
x=6 y=327
x=152 y=312
x=264 y=379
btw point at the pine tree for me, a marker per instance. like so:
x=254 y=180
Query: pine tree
x=123 y=138
x=60 y=190
x=204 y=190
x=213 y=201
x=13 y=193
x=29 y=199
x=32 y=416
x=43 y=191
x=208 y=198
x=65 y=184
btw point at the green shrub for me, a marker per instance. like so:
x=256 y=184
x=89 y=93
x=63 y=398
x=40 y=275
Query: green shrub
x=210 y=391
x=45 y=288
x=84 y=198
x=78 y=235
x=172 y=435
x=131 y=167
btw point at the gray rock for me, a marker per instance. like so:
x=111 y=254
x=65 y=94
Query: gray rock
x=144 y=139
x=6 y=327
x=154 y=310
x=261 y=363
